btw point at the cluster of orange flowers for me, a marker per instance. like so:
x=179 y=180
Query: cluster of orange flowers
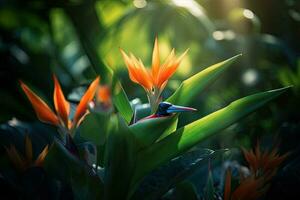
x=153 y=81
x=59 y=118
x=263 y=166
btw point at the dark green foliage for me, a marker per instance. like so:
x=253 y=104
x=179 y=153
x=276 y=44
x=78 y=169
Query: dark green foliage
x=77 y=40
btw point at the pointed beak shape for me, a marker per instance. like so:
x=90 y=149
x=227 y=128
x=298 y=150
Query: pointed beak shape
x=178 y=109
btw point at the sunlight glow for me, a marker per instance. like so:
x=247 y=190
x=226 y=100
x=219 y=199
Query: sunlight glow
x=140 y=3
x=221 y=35
x=218 y=35
x=191 y=5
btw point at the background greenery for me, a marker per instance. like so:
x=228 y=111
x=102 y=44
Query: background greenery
x=76 y=38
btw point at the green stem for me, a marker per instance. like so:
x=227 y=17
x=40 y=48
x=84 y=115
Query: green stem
x=154 y=99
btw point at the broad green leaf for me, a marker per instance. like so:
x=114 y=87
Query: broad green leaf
x=141 y=111
x=94 y=127
x=121 y=101
x=119 y=161
x=195 y=84
x=149 y=130
x=190 y=135
x=161 y=180
x=61 y=164
x=88 y=152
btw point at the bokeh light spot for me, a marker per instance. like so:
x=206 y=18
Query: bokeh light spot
x=140 y=3
x=248 y=14
x=218 y=35
x=250 y=77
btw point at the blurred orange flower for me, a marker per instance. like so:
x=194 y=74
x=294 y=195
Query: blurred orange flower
x=62 y=106
x=24 y=162
x=263 y=166
x=264 y=163
x=103 y=95
x=250 y=188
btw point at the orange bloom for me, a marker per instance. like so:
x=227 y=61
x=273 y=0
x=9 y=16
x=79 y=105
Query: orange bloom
x=263 y=166
x=104 y=95
x=264 y=163
x=24 y=162
x=158 y=76
x=154 y=80
x=250 y=188
x=62 y=106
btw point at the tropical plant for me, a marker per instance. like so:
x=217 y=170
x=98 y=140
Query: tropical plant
x=126 y=151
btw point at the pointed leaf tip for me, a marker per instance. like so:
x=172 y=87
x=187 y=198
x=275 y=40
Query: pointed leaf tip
x=192 y=86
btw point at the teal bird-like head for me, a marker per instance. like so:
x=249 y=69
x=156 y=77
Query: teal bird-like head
x=166 y=109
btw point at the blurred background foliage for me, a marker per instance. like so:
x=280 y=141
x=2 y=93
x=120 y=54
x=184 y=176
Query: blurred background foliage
x=76 y=39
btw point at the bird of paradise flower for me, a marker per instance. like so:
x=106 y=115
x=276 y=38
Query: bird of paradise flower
x=61 y=118
x=155 y=79
x=263 y=166
x=23 y=162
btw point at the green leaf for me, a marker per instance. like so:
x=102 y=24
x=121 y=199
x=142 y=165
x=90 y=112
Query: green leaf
x=61 y=164
x=161 y=180
x=121 y=101
x=119 y=161
x=185 y=190
x=94 y=127
x=190 y=135
x=148 y=131
x=195 y=84
x=141 y=111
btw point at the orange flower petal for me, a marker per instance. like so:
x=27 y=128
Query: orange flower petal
x=249 y=189
x=62 y=106
x=87 y=97
x=28 y=149
x=155 y=60
x=227 y=189
x=39 y=161
x=42 y=110
x=15 y=157
x=251 y=159
x=169 y=60
x=180 y=58
x=143 y=74
x=258 y=152
x=169 y=68
x=130 y=66
x=103 y=94
x=165 y=75
x=137 y=71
